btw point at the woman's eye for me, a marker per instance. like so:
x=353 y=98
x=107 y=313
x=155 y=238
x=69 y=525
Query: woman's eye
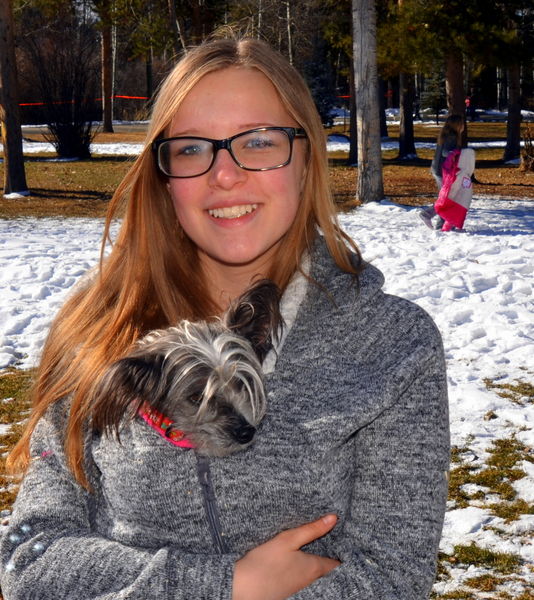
x=259 y=143
x=191 y=150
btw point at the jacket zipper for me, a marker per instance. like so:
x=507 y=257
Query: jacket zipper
x=210 y=505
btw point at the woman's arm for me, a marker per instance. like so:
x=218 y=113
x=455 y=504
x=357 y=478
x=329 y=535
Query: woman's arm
x=50 y=550
x=389 y=541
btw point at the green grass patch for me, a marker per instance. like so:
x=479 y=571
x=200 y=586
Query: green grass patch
x=458 y=477
x=15 y=384
x=457 y=452
x=484 y=583
x=511 y=511
x=460 y=594
x=8 y=492
x=481 y=557
x=506 y=453
x=496 y=480
x=528 y=595
x=496 y=477
x=442 y=573
x=522 y=392
x=14 y=407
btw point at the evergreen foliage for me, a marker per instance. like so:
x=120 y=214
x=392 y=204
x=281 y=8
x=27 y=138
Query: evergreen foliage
x=414 y=37
x=433 y=96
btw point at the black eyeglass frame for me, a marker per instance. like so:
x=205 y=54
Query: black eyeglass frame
x=226 y=144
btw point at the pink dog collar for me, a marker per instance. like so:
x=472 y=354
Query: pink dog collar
x=161 y=424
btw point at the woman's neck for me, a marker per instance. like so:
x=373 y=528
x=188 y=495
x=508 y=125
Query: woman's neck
x=227 y=282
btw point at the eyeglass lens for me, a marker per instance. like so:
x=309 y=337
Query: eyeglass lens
x=256 y=150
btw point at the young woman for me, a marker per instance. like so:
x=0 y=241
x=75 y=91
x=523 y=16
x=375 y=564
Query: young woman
x=449 y=139
x=342 y=494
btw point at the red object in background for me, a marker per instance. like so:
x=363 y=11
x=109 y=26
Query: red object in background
x=71 y=101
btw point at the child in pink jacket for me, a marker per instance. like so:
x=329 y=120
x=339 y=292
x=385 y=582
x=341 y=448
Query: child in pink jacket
x=456 y=192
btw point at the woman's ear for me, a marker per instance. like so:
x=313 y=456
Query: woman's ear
x=256 y=316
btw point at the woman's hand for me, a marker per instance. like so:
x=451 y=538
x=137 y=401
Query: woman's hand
x=279 y=568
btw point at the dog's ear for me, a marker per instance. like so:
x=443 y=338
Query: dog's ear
x=126 y=385
x=256 y=316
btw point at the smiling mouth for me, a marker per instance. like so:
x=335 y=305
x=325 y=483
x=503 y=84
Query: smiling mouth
x=232 y=212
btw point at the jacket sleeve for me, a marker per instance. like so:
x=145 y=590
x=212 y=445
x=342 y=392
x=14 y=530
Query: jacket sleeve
x=50 y=550
x=388 y=548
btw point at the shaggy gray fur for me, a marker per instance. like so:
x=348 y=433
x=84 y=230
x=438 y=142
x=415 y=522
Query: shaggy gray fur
x=204 y=376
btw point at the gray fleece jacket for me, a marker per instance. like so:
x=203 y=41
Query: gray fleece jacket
x=357 y=425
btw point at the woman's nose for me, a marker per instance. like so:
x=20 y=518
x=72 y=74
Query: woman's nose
x=225 y=172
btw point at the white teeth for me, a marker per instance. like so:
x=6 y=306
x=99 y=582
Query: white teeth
x=232 y=212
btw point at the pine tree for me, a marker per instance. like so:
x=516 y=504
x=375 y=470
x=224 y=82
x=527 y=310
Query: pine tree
x=433 y=95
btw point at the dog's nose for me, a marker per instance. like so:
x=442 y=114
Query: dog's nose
x=243 y=433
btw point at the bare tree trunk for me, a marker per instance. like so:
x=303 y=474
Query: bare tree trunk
x=260 y=18
x=527 y=78
x=196 y=16
x=178 y=40
x=406 y=100
x=149 y=73
x=370 y=182
x=352 y=160
x=513 y=124
x=454 y=83
x=14 y=174
x=454 y=87
x=289 y=34
x=406 y=135
x=382 y=88
x=107 y=76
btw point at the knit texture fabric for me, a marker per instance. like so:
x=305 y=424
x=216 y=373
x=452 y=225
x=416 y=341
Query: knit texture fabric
x=357 y=425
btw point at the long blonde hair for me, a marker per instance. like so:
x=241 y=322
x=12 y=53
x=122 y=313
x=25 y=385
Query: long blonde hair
x=151 y=277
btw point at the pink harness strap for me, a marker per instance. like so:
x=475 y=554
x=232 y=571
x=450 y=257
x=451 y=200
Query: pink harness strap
x=161 y=424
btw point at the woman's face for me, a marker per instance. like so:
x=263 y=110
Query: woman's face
x=235 y=217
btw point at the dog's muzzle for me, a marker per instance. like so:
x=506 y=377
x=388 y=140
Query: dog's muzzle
x=243 y=432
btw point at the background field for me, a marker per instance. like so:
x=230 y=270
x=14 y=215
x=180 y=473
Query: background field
x=83 y=188
x=485 y=469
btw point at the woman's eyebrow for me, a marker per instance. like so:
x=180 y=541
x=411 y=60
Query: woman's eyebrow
x=194 y=131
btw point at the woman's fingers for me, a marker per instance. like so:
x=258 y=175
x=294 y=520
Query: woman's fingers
x=278 y=568
x=300 y=536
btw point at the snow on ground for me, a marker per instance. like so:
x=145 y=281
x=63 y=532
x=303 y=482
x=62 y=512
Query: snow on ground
x=342 y=115
x=113 y=149
x=477 y=285
x=340 y=143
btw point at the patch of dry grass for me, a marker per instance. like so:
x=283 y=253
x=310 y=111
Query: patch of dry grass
x=72 y=189
x=520 y=392
x=14 y=407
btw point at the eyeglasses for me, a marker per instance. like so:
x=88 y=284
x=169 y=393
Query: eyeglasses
x=260 y=149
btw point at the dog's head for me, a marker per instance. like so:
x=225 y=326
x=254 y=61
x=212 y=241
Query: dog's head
x=204 y=376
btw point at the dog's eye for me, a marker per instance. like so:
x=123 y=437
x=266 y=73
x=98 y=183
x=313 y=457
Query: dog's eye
x=195 y=399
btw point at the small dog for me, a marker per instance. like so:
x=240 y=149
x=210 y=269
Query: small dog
x=201 y=382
